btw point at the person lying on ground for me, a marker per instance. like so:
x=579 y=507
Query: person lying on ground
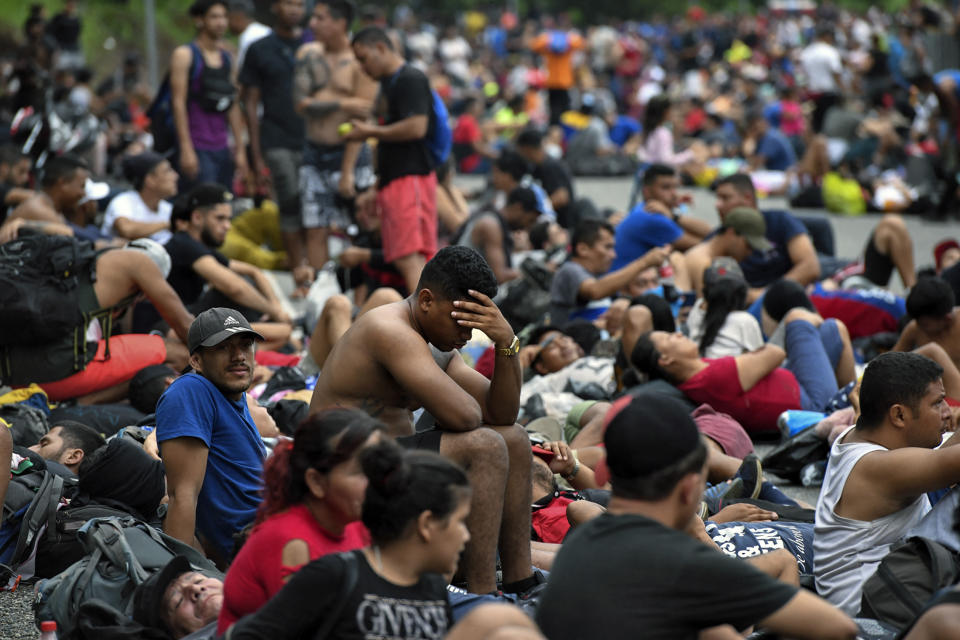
x=751 y=387
x=785 y=295
x=67 y=444
x=179 y=601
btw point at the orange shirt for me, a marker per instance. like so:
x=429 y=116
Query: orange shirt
x=559 y=65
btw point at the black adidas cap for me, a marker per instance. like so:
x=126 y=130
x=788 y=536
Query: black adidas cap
x=213 y=326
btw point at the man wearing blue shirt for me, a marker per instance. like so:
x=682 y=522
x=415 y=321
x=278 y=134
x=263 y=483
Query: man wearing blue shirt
x=653 y=223
x=210 y=446
x=792 y=254
x=771 y=149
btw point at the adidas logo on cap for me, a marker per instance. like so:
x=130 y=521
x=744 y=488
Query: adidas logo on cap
x=230 y=320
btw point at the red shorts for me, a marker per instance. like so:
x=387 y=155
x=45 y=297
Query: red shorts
x=408 y=217
x=128 y=354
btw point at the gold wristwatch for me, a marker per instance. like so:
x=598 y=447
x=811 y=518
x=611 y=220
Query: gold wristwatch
x=512 y=350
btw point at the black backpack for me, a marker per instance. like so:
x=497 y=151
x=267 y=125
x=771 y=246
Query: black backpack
x=31 y=503
x=39 y=278
x=119 y=555
x=788 y=458
x=906 y=579
x=43 y=328
x=27 y=424
x=59 y=547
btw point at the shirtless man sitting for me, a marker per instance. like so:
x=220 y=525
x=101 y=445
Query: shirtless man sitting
x=935 y=319
x=741 y=232
x=120 y=276
x=329 y=89
x=402 y=356
x=62 y=187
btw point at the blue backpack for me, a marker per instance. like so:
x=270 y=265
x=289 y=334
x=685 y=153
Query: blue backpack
x=559 y=42
x=439 y=136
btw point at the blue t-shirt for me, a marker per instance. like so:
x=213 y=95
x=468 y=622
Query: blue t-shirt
x=764 y=267
x=623 y=129
x=640 y=232
x=949 y=73
x=777 y=152
x=751 y=539
x=194 y=407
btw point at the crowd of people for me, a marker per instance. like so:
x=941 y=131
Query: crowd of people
x=507 y=413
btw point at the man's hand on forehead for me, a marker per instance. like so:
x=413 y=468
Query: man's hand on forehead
x=485 y=316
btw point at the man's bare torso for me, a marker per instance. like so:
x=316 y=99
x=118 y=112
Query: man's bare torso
x=38 y=207
x=113 y=282
x=697 y=260
x=949 y=339
x=355 y=374
x=328 y=77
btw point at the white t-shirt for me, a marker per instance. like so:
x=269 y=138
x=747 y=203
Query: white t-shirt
x=251 y=34
x=456 y=54
x=131 y=206
x=739 y=334
x=820 y=61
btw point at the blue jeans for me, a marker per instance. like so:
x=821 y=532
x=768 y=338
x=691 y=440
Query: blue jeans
x=212 y=166
x=812 y=354
x=938 y=524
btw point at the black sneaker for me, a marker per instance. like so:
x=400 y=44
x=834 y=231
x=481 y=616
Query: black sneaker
x=715 y=496
x=751 y=472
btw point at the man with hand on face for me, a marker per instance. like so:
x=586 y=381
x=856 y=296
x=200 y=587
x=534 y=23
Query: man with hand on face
x=403 y=356
x=209 y=444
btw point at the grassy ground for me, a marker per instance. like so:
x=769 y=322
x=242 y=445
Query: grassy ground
x=111 y=28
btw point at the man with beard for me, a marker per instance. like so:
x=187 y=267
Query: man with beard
x=200 y=221
x=209 y=444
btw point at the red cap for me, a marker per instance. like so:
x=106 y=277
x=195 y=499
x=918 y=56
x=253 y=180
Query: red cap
x=48 y=625
x=602 y=472
x=942 y=248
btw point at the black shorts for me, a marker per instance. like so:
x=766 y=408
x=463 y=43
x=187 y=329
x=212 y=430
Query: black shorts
x=424 y=440
x=877 y=268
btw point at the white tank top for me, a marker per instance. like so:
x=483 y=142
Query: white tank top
x=846 y=552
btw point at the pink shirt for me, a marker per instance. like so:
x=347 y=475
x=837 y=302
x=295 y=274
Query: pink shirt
x=658 y=149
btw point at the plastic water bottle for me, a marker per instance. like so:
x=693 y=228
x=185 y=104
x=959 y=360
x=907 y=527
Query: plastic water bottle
x=48 y=630
x=793 y=421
